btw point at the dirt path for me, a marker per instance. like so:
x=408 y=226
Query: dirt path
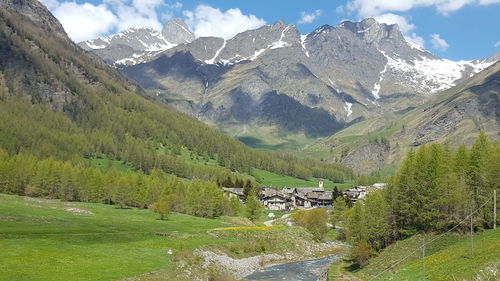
x=339 y=275
x=270 y=222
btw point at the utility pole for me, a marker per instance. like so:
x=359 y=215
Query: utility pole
x=471 y=239
x=423 y=258
x=495 y=209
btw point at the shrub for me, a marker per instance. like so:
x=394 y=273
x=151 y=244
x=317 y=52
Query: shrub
x=314 y=221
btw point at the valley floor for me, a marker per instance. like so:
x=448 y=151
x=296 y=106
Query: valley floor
x=54 y=240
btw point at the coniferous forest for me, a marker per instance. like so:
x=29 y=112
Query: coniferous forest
x=435 y=190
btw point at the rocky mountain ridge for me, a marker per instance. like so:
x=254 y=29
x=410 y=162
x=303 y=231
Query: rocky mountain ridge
x=313 y=84
x=137 y=45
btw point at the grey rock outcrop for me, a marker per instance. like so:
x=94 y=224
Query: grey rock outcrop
x=177 y=32
x=368 y=158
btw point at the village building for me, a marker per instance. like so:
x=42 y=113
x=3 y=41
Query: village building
x=234 y=192
x=277 y=202
x=359 y=192
x=296 y=197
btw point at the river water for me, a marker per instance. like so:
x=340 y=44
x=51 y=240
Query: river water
x=309 y=270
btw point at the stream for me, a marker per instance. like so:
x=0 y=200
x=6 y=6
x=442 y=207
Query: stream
x=308 y=270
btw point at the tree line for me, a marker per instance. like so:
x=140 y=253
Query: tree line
x=434 y=190
x=23 y=174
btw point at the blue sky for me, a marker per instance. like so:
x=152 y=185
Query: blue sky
x=454 y=29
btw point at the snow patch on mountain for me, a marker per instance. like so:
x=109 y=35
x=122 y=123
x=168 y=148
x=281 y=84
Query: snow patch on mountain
x=376 y=87
x=303 y=38
x=347 y=108
x=211 y=61
x=428 y=74
x=280 y=43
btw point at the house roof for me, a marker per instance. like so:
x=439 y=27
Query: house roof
x=275 y=196
x=237 y=191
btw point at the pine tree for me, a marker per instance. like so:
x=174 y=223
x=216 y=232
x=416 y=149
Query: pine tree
x=377 y=220
x=252 y=206
x=355 y=227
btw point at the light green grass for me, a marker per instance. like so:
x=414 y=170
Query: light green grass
x=42 y=241
x=271 y=179
x=448 y=258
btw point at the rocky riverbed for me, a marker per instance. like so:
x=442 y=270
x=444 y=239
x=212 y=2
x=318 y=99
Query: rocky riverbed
x=308 y=270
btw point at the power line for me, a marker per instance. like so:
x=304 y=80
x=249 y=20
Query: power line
x=432 y=240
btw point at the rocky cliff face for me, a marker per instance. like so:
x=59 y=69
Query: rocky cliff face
x=37 y=14
x=323 y=81
x=368 y=158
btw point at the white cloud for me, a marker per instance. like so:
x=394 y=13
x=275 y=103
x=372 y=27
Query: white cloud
x=497 y=44
x=88 y=21
x=390 y=18
x=370 y=8
x=168 y=14
x=404 y=25
x=83 y=21
x=415 y=39
x=488 y=2
x=438 y=42
x=137 y=13
x=50 y=4
x=309 y=17
x=208 y=21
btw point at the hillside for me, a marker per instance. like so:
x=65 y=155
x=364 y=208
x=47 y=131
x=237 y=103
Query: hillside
x=59 y=102
x=455 y=116
x=448 y=258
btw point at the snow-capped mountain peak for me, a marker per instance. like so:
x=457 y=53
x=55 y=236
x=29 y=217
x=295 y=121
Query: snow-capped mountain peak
x=137 y=45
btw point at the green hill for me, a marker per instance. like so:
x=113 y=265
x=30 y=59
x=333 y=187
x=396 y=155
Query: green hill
x=447 y=258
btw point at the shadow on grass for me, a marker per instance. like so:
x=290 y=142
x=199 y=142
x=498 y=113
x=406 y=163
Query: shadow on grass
x=353 y=267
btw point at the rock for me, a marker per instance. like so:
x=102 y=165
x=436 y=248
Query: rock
x=79 y=211
x=367 y=158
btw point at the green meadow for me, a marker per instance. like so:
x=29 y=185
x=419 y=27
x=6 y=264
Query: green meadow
x=41 y=240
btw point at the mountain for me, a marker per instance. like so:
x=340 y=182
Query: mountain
x=267 y=84
x=456 y=116
x=137 y=45
x=58 y=102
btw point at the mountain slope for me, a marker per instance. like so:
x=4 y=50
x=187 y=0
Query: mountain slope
x=327 y=79
x=57 y=101
x=456 y=115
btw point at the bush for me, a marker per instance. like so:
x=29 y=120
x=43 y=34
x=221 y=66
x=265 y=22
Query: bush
x=361 y=253
x=314 y=221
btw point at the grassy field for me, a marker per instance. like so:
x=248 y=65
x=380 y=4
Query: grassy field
x=52 y=240
x=40 y=240
x=447 y=258
x=275 y=180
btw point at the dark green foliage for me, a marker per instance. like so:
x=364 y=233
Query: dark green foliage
x=253 y=206
x=434 y=190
